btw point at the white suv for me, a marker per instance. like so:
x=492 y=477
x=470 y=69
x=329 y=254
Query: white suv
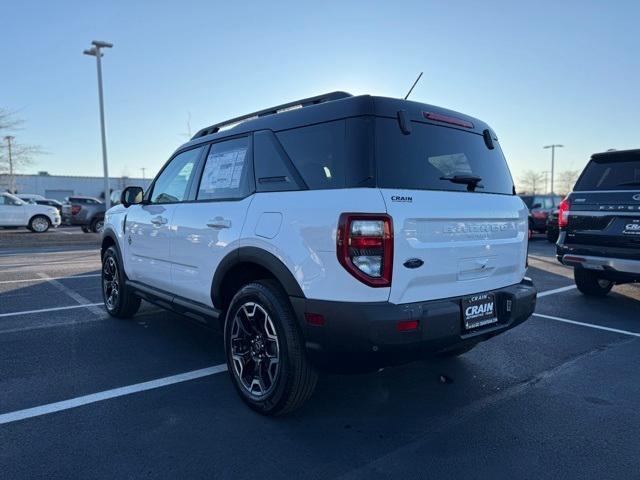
x=16 y=213
x=336 y=232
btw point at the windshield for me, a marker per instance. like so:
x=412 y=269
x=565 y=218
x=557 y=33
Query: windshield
x=13 y=199
x=437 y=158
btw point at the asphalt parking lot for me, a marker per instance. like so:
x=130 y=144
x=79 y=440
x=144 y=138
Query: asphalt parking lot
x=83 y=395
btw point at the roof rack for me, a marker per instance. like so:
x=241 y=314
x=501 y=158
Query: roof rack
x=305 y=102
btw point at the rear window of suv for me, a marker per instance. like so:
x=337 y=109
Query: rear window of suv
x=611 y=172
x=420 y=159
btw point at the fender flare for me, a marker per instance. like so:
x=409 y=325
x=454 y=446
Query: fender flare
x=109 y=233
x=260 y=257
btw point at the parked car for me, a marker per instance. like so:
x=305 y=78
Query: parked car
x=50 y=202
x=300 y=233
x=553 y=231
x=88 y=212
x=600 y=223
x=15 y=213
x=540 y=206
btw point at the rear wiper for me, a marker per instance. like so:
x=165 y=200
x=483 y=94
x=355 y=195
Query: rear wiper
x=634 y=183
x=471 y=181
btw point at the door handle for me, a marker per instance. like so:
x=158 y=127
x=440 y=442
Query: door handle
x=219 y=223
x=159 y=220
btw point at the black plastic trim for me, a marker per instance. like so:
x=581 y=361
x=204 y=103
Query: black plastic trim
x=259 y=257
x=173 y=302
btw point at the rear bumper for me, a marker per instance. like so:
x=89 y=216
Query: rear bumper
x=364 y=336
x=614 y=262
x=621 y=265
x=73 y=220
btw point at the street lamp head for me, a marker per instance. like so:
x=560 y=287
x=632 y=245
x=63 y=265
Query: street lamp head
x=93 y=51
x=100 y=44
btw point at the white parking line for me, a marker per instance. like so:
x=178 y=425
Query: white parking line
x=556 y=290
x=44 y=251
x=64 y=263
x=50 y=278
x=45 y=310
x=107 y=394
x=588 y=325
x=72 y=294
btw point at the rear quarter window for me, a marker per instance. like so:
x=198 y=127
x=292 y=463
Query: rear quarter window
x=336 y=154
x=420 y=160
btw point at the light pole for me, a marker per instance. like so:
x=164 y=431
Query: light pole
x=96 y=52
x=12 y=180
x=553 y=159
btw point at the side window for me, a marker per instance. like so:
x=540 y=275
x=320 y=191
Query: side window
x=227 y=172
x=172 y=184
x=274 y=172
x=317 y=152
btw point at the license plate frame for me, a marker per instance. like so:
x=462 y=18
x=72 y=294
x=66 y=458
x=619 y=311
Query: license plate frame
x=479 y=310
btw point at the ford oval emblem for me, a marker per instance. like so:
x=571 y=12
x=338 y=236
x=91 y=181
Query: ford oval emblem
x=637 y=197
x=413 y=263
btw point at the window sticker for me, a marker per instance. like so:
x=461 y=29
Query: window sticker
x=223 y=170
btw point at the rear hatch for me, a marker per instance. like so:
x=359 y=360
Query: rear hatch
x=450 y=194
x=604 y=208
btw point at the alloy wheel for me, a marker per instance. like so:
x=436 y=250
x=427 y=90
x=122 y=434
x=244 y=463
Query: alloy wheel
x=110 y=283
x=255 y=350
x=40 y=224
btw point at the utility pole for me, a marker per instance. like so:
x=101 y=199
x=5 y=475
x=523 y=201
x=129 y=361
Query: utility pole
x=12 y=179
x=95 y=51
x=553 y=158
x=143 y=170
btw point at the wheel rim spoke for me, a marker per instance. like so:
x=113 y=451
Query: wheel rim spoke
x=254 y=349
x=110 y=282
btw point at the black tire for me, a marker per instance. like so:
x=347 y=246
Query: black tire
x=590 y=284
x=85 y=229
x=457 y=351
x=552 y=236
x=97 y=225
x=125 y=303
x=39 y=224
x=287 y=386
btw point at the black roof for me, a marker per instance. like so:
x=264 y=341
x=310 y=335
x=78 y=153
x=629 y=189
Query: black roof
x=327 y=107
x=616 y=155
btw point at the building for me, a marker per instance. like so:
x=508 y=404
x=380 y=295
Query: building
x=59 y=187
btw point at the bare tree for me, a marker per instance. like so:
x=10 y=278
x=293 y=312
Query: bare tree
x=530 y=181
x=14 y=156
x=566 y=180
x=8 y=120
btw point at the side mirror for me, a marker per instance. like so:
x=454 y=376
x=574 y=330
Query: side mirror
x=131 y=196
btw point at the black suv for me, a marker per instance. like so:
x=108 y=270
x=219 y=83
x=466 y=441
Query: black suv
x=540 y=206
x=600 y=223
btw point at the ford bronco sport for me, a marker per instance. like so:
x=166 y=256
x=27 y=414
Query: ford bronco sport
x=337 y=232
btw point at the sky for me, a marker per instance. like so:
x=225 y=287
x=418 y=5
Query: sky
x=538 y=72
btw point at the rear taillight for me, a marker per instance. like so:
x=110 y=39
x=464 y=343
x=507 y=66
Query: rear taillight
x=365 y=247
x=75 y=209
x=563 y=213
